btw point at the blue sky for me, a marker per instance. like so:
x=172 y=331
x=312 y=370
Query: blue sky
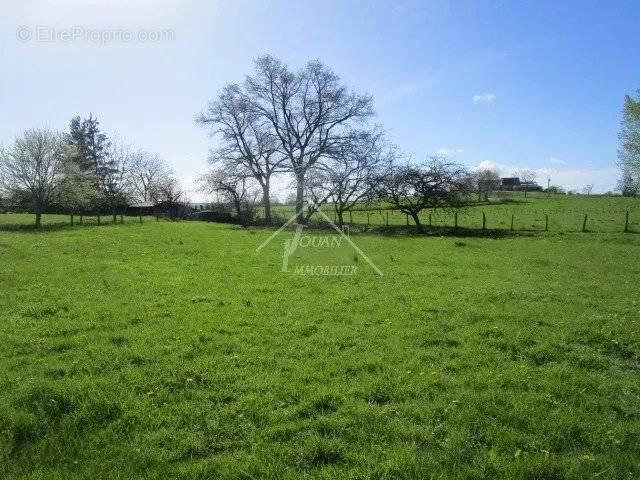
x=508 y=84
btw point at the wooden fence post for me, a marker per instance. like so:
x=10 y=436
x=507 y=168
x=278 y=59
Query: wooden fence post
x=546 y=223
x=584 y=223
x=512 y=222
x=387 y=218
x=626 y=222
x=430 y=219
x=98 y=219
x=350 y=217
x=71 y=219
x=121 y=219
x=484 y=221
x=455 y=220
x=140 y=218
x=81 y=219
x=367 y=217
x=407 y=215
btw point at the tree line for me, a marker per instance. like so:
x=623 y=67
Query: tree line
x=310 y=126
x=304 y=125
x=80 y=170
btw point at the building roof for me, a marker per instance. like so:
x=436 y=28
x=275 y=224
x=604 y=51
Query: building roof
x=142 y=204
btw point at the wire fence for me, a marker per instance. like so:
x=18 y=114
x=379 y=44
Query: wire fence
x=25 y=221
x=496 y=217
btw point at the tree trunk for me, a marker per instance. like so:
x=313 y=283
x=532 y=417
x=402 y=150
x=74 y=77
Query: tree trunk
x=340 y=218
x=416 y=220
x=300 y=199
x=38 y=219
x=266 y=201
x=238 y=205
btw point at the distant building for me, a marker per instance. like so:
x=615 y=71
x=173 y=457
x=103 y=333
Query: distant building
x=141 y=208
x=513 y=184
x=530 y=187
x=508 y=183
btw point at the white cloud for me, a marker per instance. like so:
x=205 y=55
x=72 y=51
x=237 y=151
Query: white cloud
x=483 y=98
x=555 y=161
x=449 y=152
x=486 y=165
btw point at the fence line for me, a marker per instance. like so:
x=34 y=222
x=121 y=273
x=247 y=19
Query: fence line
x=564 y=221
x=545 y=220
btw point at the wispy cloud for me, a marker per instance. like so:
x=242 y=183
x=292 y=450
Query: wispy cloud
x=479 y=98
x=409 y=89
x=555 y=161
x=449 y=152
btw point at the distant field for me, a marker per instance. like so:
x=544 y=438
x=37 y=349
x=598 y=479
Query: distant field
x=174 y=350
x=565 y=212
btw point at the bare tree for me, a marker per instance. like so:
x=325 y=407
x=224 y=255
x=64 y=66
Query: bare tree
x=412 y=188
x=587 y=189
x=486 y=181
x=171 y=194
x=233 y=185
x=349 y=173
x=147 y=173
x=318 y=189
x=344 y=179
x=310 y=113
x=527 y=177
x=33 y=168
x=247 y=140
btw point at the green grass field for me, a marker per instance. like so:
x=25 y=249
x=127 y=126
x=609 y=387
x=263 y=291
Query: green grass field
x=169 y=350
x=565 y=213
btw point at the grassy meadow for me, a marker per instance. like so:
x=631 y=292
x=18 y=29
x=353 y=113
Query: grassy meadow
x=174 y=350
x=565 y=213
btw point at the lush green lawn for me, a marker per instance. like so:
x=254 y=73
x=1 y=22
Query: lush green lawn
x=174 y=350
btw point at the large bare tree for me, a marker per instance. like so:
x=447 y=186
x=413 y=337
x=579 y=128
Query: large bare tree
x=247 y=140
x=33 y=168
x=311 y=114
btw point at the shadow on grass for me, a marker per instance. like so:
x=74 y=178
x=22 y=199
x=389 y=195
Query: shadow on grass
x=410 y=230
x=392 y=230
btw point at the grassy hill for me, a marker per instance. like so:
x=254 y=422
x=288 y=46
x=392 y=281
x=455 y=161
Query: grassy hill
x=175 y=350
